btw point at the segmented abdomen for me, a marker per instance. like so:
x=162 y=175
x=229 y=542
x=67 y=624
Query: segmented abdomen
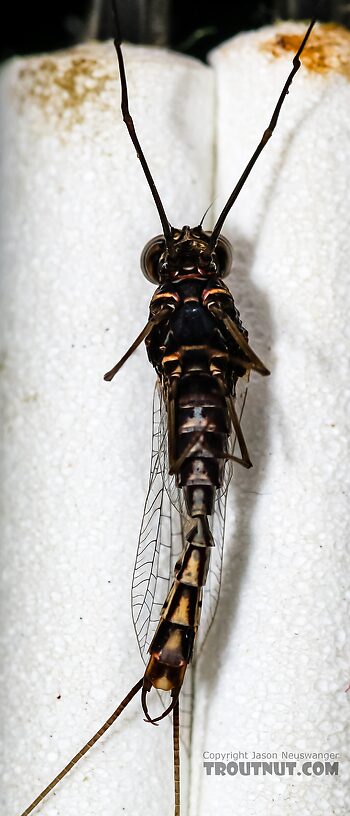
x=201 y=421
x=193 y=356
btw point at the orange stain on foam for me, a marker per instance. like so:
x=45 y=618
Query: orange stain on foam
x=60 y=84
x=327 y=51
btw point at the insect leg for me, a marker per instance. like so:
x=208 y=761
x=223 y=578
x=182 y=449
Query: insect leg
x=245 y=460
x=154 y=320
x=85 y=748
x=239 y=338
x=171 y=430
x=176 y=464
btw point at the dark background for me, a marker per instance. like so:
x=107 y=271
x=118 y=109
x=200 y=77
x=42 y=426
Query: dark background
x=186 y=25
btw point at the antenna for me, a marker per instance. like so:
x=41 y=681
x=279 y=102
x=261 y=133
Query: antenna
x=265 y=138
x=131 y=128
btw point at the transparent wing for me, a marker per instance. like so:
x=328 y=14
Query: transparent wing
x=161 y=542
x=161 y=535
x=161 y=538
x=211 y=590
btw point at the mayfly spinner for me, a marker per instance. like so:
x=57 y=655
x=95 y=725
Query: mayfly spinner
x=200 y=350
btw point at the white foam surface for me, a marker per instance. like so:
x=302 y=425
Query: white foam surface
x=76 y=214
x=275 y=673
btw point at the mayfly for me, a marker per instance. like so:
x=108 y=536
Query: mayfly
x=201 y=353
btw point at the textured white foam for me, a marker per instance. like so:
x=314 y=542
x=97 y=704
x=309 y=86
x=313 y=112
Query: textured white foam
x=275 y=671
x=77 y=213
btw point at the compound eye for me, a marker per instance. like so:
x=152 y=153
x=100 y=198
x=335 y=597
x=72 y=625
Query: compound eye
x=150 y=258
x=223 y=252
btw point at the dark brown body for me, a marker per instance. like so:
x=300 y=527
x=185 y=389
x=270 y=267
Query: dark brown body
x=197 y=344
x=198 y=364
